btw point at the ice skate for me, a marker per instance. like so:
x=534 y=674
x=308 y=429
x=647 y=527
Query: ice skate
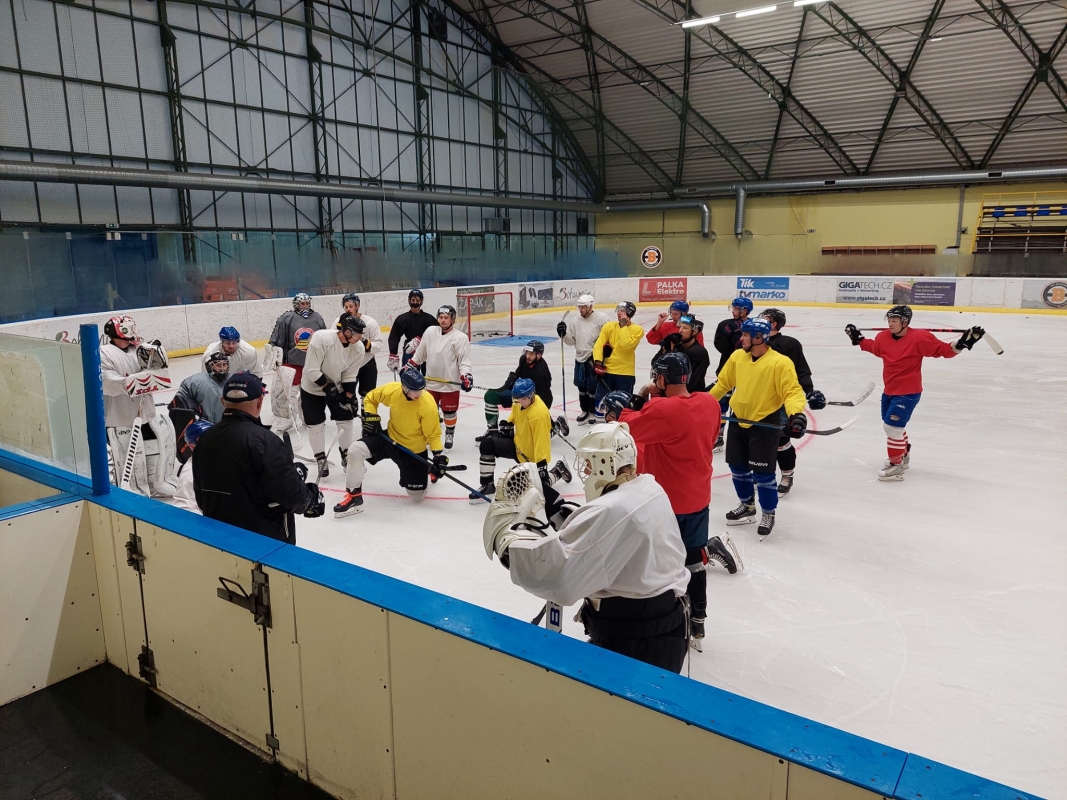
x=892 y=472
x=723 y=553
x=766 y=524
x=785 y=484
x=561 y=426
x=351 y=503
x=487 y=435
x=450 y=439
x=904 y=462
x=323 y=465
x=488 y=488
x=696 y=634
x=582 y=418
x=720 y=444
x=560 y=472
x=742 y=515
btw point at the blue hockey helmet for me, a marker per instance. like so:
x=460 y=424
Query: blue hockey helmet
x=229 y=334
x=743 y=302
x=523 y=387
x=194 y=429
x=615 y=402
x=693 y=321
x=412 y=379
x=757 y=327
x=680 y=305
x=673 y=366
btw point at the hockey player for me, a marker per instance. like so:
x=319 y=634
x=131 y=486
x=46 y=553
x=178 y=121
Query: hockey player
x=243 y=356
x=131 y=372
x=289 y=343
x=727 y=340
x=690 y=329
x=412 y=423
x=531 y=365
x=372 y=341
x=668 y=323
x=613 y=354
x=621 y=551
x=202 y=391
x=902 y=350
x=329 y=381
x=525 y=437
x=582 y=334
x=185 y=497
x=762 y=381
x=791 y=348
x=675 y=435
x=446 y=354
x=409 y=326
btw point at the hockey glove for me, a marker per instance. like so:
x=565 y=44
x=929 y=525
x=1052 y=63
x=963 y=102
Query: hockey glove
x=600 y=369
x=561 y=427
x=276 y=356
x=440 y=465
x=302 y=469
x=506 y=429
x=466 y=382
x=969 y=338
x=393 y=362
x=671 y=342
x=413 y=345
x=366 y=345
x=608 y=350
x=561 y=329
x=637 y=402
x=316 y=506
x=854 y=334
x=333 y=394
x=816 y=400
x=372 y=425
x=797 y=427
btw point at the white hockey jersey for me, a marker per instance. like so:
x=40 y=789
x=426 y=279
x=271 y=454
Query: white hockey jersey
x=327 y=356
x=446 y=355
x=185 y=497
x=582 y=333
x=120 y=409
x=625 y=543
x=372 y=333
x=244 y=359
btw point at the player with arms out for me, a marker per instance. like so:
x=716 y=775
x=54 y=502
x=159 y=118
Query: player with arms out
x=446 y=354
x=412 y=424
x=531 y=365
x=902 y=350
x=791 y=348
x=675 y=435
x=242 y=356
x=409 y=328
x=581 y=334
x=614 y=354
x=288 y=351
x=763 y=382
x=621 y=551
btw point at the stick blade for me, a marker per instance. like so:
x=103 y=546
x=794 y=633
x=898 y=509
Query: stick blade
x=994 y=344
x=831 y=431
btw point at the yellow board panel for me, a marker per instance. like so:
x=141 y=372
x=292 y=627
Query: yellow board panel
x=15 y=489
x=208 y=652
x=807 y=784
x=284 y=650
x=471 y=723
x=347 y=692
x=129 y=591
x=101 y=523
x=50 y=614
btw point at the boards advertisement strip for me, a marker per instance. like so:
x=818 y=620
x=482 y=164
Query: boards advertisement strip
x=1045 y=293
x=763 y=288
x=924 y=292
x=656 y=289
x=877 y=291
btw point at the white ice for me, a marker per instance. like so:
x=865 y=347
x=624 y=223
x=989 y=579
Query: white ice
x=930 y=614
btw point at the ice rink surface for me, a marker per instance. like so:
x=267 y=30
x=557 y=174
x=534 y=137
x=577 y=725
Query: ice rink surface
x=930 y=614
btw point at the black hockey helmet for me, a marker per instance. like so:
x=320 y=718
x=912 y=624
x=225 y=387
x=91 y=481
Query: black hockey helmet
x=415 y=293
x=351 y=297
x=447 y=309
x=692 y=320
x=350 y=322
x=412 y=379
x=776 y=315
x=535 y=346
x=673 y=366
x=630 y=308
x=902 y=312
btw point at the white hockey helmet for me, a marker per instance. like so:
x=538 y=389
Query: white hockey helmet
x=606 y=449
x=585 y=300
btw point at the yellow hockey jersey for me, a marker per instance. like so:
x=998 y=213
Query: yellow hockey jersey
x=412 y=423
x=761 y=386
x=533 y=431
x=623 y=343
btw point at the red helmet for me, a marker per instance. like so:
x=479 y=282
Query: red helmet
x=122 y=328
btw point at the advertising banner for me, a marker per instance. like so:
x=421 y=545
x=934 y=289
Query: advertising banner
x=924 y=293
x=865 y=290
x=763 y=288
x=1044 y=293
x=535 y=295
x=567 y=294
x=654 y=289
x=479 y=305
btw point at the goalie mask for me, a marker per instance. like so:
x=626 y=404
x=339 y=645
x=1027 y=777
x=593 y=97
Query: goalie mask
x=122 y=328
x=606 y=449
x=218 y=364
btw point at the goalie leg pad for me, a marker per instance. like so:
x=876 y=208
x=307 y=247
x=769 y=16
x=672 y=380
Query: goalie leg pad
x=280 y=404
x=119 y=440
x=162 y=464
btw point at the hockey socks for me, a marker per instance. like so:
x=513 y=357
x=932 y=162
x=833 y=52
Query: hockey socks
x=766 y=489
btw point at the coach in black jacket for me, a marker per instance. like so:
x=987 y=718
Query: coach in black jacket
x=244 y=475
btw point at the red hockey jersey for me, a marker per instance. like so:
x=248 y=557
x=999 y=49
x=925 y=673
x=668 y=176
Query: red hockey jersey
x=902 y=358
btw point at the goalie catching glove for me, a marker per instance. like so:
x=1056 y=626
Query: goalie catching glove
x=513 y=514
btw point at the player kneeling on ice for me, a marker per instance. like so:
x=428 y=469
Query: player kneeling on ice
x=531 y=365
x=132 y=372
x=185 y=497
x=524 y=437
x=412 y=424
x=621 y=551
x=902 y=350
x=763 y=382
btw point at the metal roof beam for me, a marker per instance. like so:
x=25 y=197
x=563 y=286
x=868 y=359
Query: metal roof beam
x=594 y=81
x=569 y=29
x=676 y=11
x=682 y=121
x=788 y=87
x=865 y=44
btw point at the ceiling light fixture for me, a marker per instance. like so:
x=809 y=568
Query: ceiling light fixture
x=935 y=39
x=799 y=3
x=694 y=23
x=754 y=11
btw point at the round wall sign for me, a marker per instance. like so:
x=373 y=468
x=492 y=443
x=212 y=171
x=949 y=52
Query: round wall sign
x=651 y=257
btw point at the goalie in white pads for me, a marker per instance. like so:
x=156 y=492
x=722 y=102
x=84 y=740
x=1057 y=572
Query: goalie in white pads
x=621 y=551
x=132 y=372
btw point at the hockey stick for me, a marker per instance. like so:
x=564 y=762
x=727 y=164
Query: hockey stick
x=131 y=453
x=429 y=464
x=563 y=366
x=808 y=432
x=457 y=383
x=993 y=343
x=558 y=430
x=866 y=393
x=555 y=616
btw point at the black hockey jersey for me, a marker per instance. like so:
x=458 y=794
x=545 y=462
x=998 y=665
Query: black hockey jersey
x=409 y=326
x=794 y=351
